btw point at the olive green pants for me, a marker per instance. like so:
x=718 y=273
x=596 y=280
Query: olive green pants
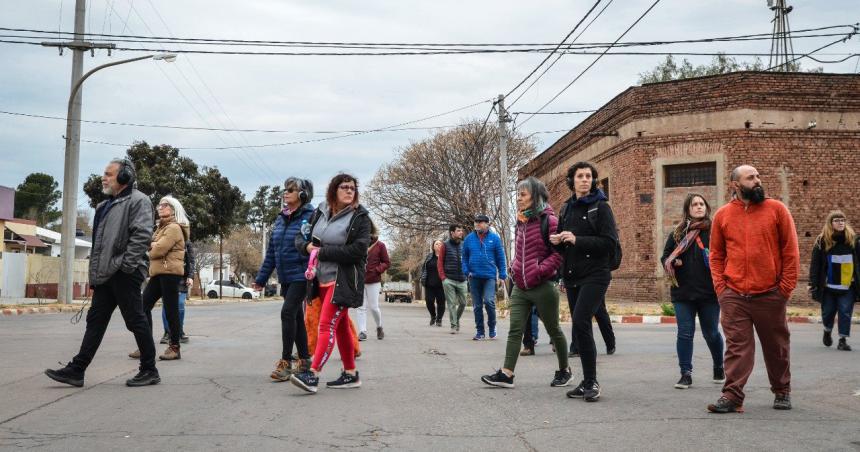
x=545 y=298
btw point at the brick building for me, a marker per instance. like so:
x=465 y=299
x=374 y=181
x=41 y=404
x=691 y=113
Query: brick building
x=653 y=144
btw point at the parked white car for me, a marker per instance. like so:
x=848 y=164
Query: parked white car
x=231 y=289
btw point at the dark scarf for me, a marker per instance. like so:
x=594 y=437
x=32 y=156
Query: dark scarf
x=693 y=230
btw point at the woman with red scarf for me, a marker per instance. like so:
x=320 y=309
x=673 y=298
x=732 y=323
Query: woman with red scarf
x=686 y=264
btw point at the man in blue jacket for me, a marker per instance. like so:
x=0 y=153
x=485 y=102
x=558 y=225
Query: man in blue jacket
x=484 y=264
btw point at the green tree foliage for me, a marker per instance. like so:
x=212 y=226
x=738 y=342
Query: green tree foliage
x=36 y=199
x=264 y=207
x=670 y=69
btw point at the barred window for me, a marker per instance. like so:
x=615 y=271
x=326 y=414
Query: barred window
x=691 y=174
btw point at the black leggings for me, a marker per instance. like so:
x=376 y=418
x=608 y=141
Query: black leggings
x=585 y=301
x=293 y=321
x=602 y=317
x=435 y=296
x=165 y=287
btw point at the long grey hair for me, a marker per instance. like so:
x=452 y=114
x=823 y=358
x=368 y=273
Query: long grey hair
x=536 y=188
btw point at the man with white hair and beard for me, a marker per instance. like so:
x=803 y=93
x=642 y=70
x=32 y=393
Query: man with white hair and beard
x=122 y=230
x=754 y=264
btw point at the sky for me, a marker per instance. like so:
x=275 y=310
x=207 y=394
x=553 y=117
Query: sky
x=314 y=93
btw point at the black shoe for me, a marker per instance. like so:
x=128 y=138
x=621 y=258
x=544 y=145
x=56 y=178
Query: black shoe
x=432 y=322
x=499 y=379
x=562 y=378
x=144 y=378
x=610 y=350
x=578 y=392
x=842 y=345
x=591 y=391
x=438 y=323
x=362 y=336
x=183 y=339
x=345 y=381
x=685 y=382
x=67 y=375
x=724 y=405
x=782 y=402
x=379 y=333
x=719 y=375
x=828 y=339
x=164 y=339
x=306 y=380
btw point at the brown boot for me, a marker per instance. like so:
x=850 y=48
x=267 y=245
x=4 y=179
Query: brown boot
x=303 y=365
x=171 y=353
x=134 y=355
x=283 y=370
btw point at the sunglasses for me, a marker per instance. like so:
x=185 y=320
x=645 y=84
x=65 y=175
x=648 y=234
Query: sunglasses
x=292 y=190
x=347 y=188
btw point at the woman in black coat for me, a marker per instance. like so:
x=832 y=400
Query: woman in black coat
x=434 y=295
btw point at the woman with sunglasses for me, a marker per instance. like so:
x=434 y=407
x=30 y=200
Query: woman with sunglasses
x=281 y=254
x=340 y=233
x=834 y=276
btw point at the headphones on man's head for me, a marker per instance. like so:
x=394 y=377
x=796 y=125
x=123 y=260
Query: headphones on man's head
x=126 y=173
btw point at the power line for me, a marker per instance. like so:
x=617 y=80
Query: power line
x=554 y=50
x=593 y=62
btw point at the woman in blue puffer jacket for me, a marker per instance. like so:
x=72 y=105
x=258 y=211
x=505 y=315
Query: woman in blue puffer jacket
x=282 y=254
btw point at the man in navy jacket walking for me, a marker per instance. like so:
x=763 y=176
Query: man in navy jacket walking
x=484 y=264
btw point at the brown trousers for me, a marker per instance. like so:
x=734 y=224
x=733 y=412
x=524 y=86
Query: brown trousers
x=765 y=313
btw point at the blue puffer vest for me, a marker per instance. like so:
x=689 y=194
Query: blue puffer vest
x=281 y=253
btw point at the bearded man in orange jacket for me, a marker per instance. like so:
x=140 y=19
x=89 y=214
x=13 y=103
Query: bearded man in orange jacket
x=754 y=264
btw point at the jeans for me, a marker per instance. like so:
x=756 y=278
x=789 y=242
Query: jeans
x=834 y=302
x=293 y=321
x=530 y=335
x=455 y=298
x=709 y=319
x=371 y=301
x=601 y=315
x=182 y=297
x=545 y=298
x=435 y=302
x=587 y=301
x=484 y=296
x=121 y=290
x=165 y=287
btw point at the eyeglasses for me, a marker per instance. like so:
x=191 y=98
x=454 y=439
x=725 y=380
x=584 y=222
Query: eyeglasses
x=292 y=190
x=347 y=188
x=838 y=220
x=164 y=204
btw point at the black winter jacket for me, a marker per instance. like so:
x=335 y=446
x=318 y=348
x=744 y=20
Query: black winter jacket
x=350 y=257
x=694 y=277
x=818 y=271
x=588 y=260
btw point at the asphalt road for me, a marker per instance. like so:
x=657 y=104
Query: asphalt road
x=421 y=391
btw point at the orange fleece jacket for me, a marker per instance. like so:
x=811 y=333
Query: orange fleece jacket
x=754 y=248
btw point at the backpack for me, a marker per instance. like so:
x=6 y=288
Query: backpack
x=615 y=254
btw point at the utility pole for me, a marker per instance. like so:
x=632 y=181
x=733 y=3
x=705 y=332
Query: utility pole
x=781 y=48
x=504 y=200
x=73 y=143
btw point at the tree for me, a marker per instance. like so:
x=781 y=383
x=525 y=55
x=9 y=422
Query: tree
x=244 y=245
x=226 y=207
x=720 y=64
x=265 y=206
x=445 y=179
x=36 y=199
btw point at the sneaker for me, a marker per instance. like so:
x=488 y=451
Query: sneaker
x=134 y=355
x=591 y=391
x=171 y=353
x=562 y=378
x=492 y=334
x=283 y=370
x=527 y=351
x=379 y=333
x=67 y=375
x=362 y=336
x=478 y=337
x=724 y=405
x=843 y=345
x=719 y=375
x=306 y=381
x=165 y=338
x=499 y=379
x=782 y=402
x=685 y=382
x=144 y=378
x=457 y=328
x=610 y=350
x=432 y=322
x=453 y=330
x=183 y=339
x=438 y=323
x=578 y=392
x=345 y=381
x=828 y=339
